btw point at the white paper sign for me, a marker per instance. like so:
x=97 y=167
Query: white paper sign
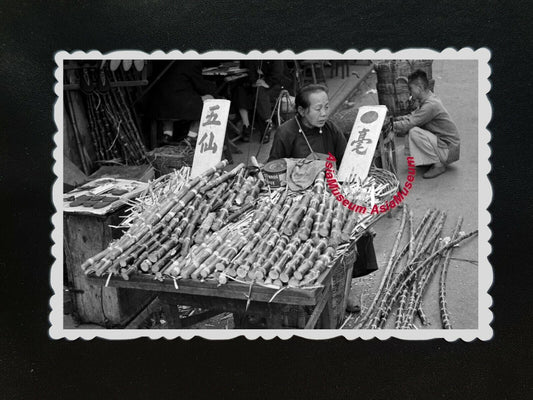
x=362 y=144
x=211 y=135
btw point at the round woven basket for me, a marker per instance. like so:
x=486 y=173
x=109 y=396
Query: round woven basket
x=387 y=178
x=169 y=158
x=392 y=88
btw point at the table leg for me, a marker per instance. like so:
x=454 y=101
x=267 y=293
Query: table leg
x=324 y=300
x=327 y=318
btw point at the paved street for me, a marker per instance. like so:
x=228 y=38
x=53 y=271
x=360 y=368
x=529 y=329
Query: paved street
x=455 y=192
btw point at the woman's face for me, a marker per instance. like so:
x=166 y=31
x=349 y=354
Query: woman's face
x=317 y=113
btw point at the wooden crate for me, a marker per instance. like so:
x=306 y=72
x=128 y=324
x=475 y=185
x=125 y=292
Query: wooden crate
x=85 y=236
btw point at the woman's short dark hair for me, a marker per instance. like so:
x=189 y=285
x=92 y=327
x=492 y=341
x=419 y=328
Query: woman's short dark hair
x=302 y=96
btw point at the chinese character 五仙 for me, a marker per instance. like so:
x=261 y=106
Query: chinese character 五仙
x=212 y=116
x=208 y=146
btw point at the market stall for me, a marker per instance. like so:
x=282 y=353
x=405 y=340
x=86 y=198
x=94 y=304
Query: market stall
x=228 y=241
x=251 y=240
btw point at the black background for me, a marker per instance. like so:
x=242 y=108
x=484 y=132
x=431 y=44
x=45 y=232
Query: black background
x=34 y=366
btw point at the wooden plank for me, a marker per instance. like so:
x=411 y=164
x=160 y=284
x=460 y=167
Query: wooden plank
x=328 y=319
x=362 y=143
x=142 y=82
x=85 y=236
x=325 y=298
x=221 y=304
x=70 y=149
x=72 y=175
x=142 y=173
x=152 y=307
x=81 y=120
x=232 y=290
x=347 y=287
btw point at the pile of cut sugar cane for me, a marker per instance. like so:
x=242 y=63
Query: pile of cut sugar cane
x=225 y=226
x=401 y=289
x=157 y=191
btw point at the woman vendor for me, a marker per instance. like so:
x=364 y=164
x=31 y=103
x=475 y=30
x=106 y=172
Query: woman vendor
x=309 y=134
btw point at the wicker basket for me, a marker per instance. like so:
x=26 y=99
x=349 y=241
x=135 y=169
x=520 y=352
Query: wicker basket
x=385 y=177
x=169 y=158
x=392 y=83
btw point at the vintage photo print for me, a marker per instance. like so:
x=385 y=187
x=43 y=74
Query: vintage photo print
x=278 y=194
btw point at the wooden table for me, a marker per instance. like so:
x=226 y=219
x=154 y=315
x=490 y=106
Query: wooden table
x=323 y=310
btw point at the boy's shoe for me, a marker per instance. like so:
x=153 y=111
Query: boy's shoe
x=435 y=171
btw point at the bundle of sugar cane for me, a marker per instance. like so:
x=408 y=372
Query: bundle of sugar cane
x=172 y=252
x=156 y=192
x=324 y=219
x=302 y=240
x=113 y=131
x=402 y=281
x=279 y=238
x=421 y=280
x=403 y=287
x=200 y=265
x=153 y=219
x=385 y=306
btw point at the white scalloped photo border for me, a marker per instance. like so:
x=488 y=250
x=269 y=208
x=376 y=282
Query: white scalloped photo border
x=485 y=271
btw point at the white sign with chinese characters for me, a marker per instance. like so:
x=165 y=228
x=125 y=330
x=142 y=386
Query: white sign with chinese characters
x=362 y=144
x=211 y=135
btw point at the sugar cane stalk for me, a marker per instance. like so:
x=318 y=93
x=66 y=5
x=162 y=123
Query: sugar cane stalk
x=401 y=281
x=303 y=269
x=387 y=271
x=445 y=316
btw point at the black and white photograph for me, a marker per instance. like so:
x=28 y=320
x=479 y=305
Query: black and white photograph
x=305 y=199
x=316 y=195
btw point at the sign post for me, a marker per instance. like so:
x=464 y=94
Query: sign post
x=362 y=143
x=211 y=135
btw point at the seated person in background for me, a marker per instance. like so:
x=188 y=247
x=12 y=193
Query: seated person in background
x=265 y=78
x=309 y=132
x=432 y=136
x=179 y=95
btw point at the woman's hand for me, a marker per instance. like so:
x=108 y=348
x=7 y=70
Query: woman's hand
x=206 y=97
